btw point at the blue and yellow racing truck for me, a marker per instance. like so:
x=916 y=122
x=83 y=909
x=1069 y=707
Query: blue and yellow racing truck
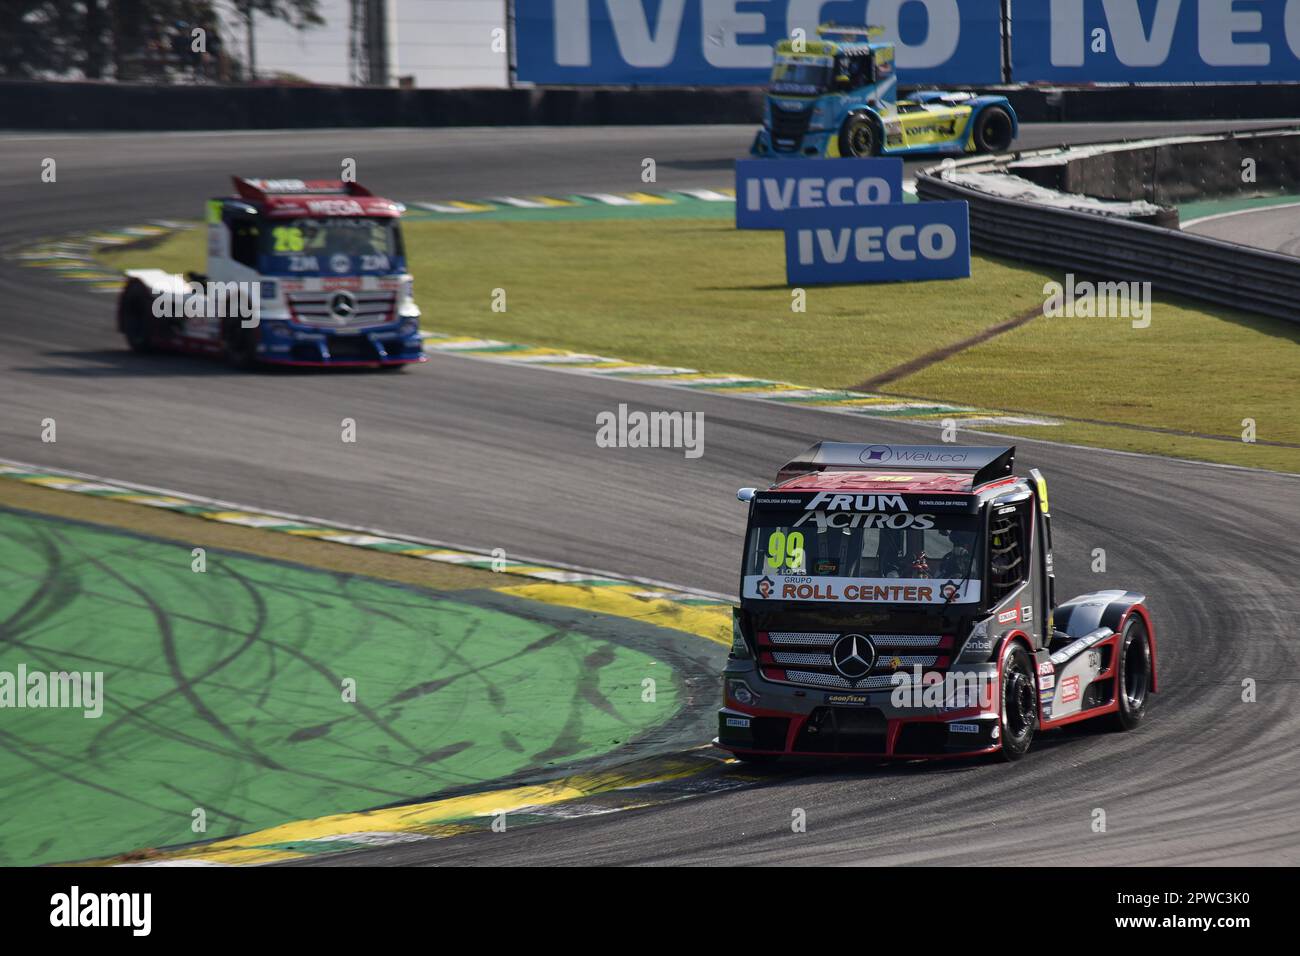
x=837 y=97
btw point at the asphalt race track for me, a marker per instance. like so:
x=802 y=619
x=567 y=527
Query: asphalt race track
x=1276 y=228
x=489 y=456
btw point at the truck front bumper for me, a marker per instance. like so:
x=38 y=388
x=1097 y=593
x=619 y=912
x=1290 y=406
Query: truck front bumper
x=315 y=347
x=788 y=720
x=814 y=143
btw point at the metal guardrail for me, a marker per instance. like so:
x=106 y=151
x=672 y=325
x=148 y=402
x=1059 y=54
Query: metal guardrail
x=1119 y=250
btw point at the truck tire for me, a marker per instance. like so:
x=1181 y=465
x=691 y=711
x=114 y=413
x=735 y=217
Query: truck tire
x=1132 y=675
x=238 y=343
x=1019 y=703
x=860 y=136
x=135 y=316
x=993 y=130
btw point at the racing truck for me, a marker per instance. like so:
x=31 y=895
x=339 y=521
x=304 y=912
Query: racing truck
x=900 y=601
x=837 y=96
x=308 y=273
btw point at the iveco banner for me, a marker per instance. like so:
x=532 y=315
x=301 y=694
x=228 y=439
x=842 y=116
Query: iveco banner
x=729 y=42
x=766 y=188
x=1163 y=41
x=903 y=241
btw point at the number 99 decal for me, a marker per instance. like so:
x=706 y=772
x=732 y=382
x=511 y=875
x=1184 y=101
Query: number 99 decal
x=785 y=549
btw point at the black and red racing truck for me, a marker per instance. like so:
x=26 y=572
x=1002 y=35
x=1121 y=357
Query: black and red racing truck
x=900 y=601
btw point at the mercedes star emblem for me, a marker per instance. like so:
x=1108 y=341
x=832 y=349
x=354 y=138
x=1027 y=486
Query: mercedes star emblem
x=853 y=655
x=343 y=305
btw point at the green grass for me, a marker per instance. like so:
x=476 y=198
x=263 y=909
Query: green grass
x=698 y=293
x=223 y=691
x=676 y=292
x=1196 y=368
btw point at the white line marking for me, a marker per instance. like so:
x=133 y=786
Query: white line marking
x=1237 y=212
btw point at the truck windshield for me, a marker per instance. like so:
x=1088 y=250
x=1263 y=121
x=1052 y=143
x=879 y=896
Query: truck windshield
x=338 y=246
x=802 y=75
x=862 y=556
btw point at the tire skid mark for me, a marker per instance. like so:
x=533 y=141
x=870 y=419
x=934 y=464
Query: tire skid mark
x=569 y=739
x=332 y=679
x=195 y=664
x=53 y=590
x=433 y=686
x=27 y=750
x=186 y=687
x=240 y=752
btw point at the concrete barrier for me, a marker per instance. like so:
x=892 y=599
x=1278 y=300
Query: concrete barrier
x=1021 y=207
x=109 y=106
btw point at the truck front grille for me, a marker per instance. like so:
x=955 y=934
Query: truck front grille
x=788 y=128
x=369 y=309
x=799 y=657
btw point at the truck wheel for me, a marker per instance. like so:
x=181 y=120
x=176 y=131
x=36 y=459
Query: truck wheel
x=1132 y=675
x=860 y=136
x=1019 y=710
x=238 y=343
x=136 y=317
x=993 y=130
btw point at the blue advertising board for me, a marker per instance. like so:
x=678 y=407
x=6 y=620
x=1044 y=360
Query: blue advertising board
x=767 y=188
x=895 y=243
x=729 y=42
x=1155 y=41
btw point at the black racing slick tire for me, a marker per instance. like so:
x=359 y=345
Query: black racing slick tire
x=1019 y=703
x=993 y=130
x=1132 y=675
x=135 y=310
x=861 y=136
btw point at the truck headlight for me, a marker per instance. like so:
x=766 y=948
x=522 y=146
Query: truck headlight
x=739 y=691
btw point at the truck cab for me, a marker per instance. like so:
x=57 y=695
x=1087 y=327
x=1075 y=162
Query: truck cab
x=900 y=601
x=324 y=263
x=837 y=96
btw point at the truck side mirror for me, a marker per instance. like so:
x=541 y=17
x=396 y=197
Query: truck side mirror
x=746 y=494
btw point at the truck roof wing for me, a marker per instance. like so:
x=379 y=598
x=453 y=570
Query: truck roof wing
x=836 y=31
x=257 y=190
x=983 y=463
